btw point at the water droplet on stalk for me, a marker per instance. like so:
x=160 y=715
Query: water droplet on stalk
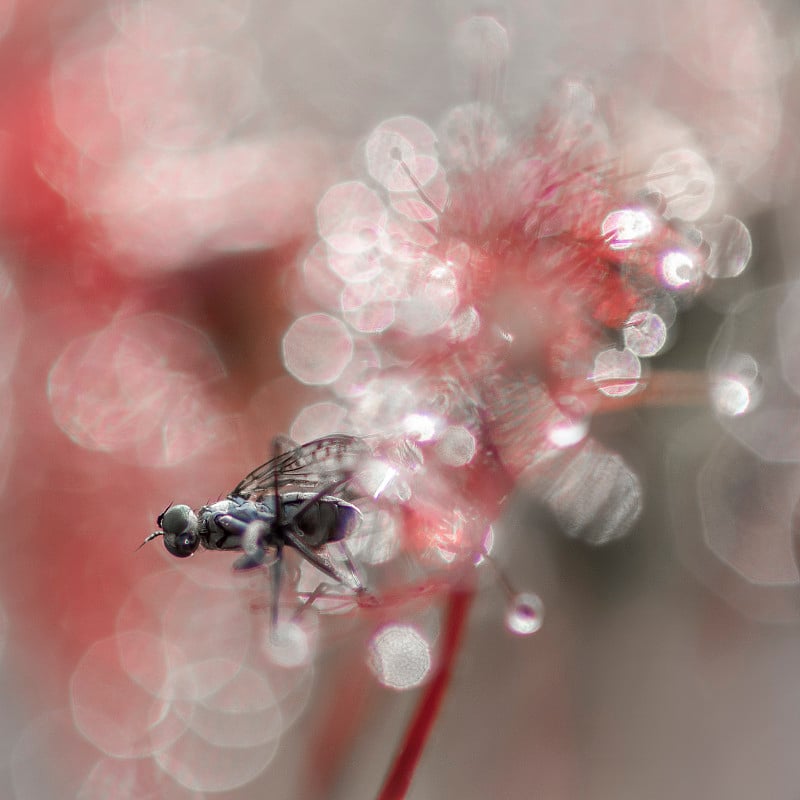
x=525 y=614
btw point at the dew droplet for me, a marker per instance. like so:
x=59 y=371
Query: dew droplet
x=679 y=272
x=731 y=247
x=316 y=420
x=525 y=614
x=399 y=152
x=316 y=348
x=350 y=217
x=118 y=716
x=471 y=136
x=736 y=385
x=290 y=645
x=399 y=657
x=617 y=372
x=626 y=228
x=456 y=446
x=686 y=181
x=645 y=333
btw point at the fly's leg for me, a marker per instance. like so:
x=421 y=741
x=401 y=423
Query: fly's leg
x=329 y=591
x=253 y=537
x=322 y=590
x=294 y=537
x=313 y=558
x=276 y=573
x=355 y=573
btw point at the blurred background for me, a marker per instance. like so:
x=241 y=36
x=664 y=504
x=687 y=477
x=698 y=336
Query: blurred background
x=161 y=166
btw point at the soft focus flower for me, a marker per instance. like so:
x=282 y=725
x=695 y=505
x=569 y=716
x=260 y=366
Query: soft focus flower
x=482 y=293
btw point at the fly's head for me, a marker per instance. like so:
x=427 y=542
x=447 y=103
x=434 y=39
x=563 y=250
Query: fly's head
x=179 y=528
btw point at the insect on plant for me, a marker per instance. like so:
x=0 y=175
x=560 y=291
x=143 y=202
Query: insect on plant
x=290 y=501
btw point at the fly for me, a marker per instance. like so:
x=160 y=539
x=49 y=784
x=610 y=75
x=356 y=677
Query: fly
x=290 y=501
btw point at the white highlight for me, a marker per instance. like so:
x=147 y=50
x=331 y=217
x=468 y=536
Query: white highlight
x=626 y=228
x=679 y=271
x=400 y=657
x=420 y=427
x=525 y=614
x=568 y=432
x=390 y=473
x=735 y=388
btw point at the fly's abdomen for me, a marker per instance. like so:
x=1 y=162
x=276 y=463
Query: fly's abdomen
x=326 y=521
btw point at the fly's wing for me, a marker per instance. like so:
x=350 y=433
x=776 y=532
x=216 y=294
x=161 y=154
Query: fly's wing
x=311 y=467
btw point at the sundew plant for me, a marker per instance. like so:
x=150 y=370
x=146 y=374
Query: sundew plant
x=507 y=293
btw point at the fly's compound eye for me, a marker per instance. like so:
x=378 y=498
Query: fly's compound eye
x=179 y=524
x=181 y=545
x=178 y=519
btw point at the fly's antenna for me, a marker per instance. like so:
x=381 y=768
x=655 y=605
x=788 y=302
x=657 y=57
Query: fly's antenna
x=151 y=536
x=160 y=518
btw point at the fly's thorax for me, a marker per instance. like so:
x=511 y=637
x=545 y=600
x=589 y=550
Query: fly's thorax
x=225 y=506
x=222 y=523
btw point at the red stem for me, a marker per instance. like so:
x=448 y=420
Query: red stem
x=406 y=760
x=662 y=389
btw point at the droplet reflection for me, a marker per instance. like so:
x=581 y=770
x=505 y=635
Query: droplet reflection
x=456 y=446
x=626 y=228
x=616 y=372
x=201 y=766
x=316 y=420
x=399 y=152
x=317 y=348
x=645 y=333
x=130 y=779
x=525 y=614
x=138 y=383
x=350 y=217
x=686 y=181
x=730 y=397
x=118 y=716
x=735 y=388
x=399 y=656
x=679 y=271
x=471 y=136
x=291 y=645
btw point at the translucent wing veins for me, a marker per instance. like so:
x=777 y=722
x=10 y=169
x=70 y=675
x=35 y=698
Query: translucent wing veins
x=309 y=467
